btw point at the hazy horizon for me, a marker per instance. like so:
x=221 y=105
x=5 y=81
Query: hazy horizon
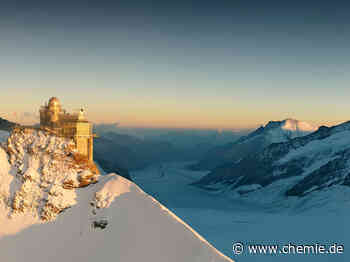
x=183 y=64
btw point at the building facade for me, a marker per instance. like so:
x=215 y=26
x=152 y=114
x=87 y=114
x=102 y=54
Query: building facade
x=75 y=126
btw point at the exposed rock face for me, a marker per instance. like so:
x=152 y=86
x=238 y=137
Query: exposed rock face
x=102 y=224
x=320 y=159
x=43 y=172
x=335 y=172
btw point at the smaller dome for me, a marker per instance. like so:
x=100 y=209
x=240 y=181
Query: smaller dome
x=54 y=101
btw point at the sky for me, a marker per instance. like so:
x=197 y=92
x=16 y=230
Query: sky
x=183 y=64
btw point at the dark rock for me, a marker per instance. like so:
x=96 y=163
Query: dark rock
x=102 y=224
x=334 y=172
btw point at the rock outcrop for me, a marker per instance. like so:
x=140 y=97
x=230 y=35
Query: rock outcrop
x=43 y=172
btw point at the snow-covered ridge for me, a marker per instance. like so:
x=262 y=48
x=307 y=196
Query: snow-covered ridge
x=114 y=220
x=110 y=220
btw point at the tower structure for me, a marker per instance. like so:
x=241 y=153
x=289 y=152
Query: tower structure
x=75 y=126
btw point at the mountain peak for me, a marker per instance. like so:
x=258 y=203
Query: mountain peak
x=296 y=125
x=291 y=124
x=256 y=141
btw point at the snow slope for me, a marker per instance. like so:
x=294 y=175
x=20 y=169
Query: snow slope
x=138 y=229
x=320 y=217
x=53 y=209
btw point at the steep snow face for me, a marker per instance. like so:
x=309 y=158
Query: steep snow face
x=38 y=176
x=112 y=189
x=113 y=220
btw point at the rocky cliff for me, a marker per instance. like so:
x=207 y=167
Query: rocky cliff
x=40 y=173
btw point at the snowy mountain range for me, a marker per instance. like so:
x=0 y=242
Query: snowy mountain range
x=315 y=162
x=56 y=207
x=273 y=132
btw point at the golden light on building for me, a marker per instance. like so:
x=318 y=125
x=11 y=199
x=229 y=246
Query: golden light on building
x=75 y=126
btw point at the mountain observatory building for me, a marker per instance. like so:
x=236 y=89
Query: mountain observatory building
x=75 y=126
